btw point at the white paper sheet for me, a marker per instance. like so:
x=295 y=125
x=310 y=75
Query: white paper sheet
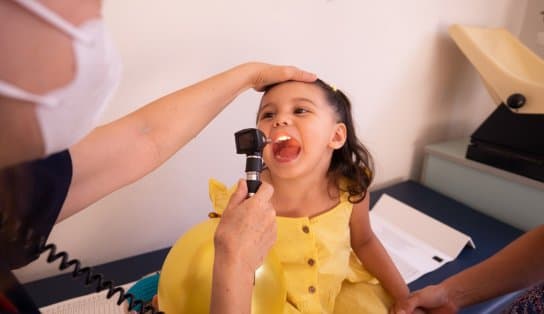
x=417 y=243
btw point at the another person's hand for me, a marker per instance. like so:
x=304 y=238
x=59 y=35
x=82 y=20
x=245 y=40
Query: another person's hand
x=267 y=74
x=247 y=229
x=431 y=299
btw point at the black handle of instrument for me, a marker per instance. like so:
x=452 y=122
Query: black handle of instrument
x=254 y=166
x=251 y=143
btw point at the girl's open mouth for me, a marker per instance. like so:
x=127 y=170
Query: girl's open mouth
x=285 y=148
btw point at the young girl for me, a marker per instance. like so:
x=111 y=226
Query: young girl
x=332 y=261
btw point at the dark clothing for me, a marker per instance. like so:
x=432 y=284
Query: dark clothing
x=31 y=196
x=530 y=302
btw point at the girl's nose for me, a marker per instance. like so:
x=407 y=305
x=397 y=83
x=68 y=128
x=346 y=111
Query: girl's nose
x=278 y=123
x=281 y=120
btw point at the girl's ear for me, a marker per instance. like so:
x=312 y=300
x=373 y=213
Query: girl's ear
x=339 y=136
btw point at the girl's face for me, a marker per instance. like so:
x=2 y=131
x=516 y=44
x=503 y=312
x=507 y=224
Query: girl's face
x=303 y=128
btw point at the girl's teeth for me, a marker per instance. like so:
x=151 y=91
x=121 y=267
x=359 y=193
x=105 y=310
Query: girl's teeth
x=283 y=138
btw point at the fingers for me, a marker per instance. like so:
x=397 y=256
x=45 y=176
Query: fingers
x=295 y=74
x=405 y=306
x=239 y=195
x=410 y=304
x=261 y=197
x=303 y=76
x=432 y=298
x=264 y=193
x=275 y=74
x=247 y=228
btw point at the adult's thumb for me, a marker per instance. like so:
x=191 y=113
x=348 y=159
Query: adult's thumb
x=265 y=191
x=239 y=195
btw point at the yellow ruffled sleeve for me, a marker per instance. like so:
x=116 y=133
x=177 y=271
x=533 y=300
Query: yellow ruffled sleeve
x=219 y=195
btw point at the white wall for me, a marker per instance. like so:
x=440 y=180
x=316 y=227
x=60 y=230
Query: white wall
x=532 y=31
x=408 y=82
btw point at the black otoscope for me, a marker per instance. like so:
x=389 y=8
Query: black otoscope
x=251 y=143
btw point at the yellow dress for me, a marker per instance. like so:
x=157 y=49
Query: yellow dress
x=322 y=273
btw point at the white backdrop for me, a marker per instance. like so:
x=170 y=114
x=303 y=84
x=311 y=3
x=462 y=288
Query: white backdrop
x=409 y=84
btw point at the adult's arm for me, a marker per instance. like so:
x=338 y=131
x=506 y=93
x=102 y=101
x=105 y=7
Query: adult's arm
x=121 y=152
x=519 y=265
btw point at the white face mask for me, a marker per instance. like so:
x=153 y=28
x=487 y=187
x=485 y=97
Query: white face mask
x=67 y=114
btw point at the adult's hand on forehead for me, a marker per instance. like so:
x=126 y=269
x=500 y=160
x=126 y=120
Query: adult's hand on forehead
x=267 y=74
x=247 y=229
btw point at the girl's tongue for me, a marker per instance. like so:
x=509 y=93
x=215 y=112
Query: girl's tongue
x=285 y=148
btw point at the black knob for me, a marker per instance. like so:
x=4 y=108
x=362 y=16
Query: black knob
x=516 y=101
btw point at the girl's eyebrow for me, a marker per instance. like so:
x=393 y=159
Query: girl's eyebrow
x=294 y=99
x=268 y=104
x=304 y=99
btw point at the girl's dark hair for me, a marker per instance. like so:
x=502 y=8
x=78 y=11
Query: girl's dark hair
x=352 y=161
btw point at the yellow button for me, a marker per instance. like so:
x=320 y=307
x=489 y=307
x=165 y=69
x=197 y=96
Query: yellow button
x=305 y=229
x=311 y=262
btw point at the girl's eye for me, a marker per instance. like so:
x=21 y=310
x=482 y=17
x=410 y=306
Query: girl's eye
x=300 y=110
x=266 y=115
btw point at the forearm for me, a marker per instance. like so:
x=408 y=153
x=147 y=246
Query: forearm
x=232 y=286
x=173 y=120
x=376 y=260
x=517 y=266
x=125 y=150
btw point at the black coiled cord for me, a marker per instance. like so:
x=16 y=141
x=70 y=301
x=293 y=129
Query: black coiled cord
x=90 y=278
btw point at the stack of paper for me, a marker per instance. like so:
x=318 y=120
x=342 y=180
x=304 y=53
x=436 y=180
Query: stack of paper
x=417 y=243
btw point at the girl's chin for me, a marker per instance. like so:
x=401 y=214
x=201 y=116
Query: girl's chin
x=282 y=172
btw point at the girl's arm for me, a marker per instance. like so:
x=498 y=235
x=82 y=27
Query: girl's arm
x=372 y=254
x=125 y=150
